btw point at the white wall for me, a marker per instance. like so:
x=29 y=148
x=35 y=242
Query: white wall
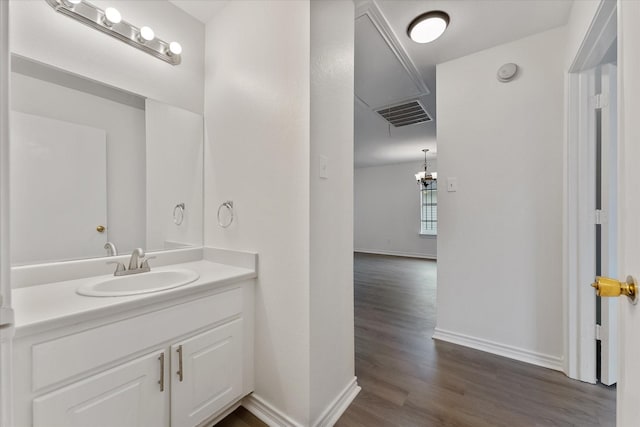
x=332 y=122
x=500 y=234
x=125 y=129
x=38 y=32
x=270 y=93
x=257 y=108
x=387 y=211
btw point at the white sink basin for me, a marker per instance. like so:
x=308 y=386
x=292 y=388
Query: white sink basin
x=141 y=283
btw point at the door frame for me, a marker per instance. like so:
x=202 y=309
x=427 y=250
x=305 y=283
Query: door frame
x=6 y=313
x=579 y=246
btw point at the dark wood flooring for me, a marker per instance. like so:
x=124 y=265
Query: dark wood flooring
x=408 y=379
x=241 y=418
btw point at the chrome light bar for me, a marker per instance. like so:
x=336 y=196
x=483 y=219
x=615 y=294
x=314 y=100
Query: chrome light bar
x=109 y=22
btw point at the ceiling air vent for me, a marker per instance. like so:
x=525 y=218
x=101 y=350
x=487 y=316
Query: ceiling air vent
x=405 y=114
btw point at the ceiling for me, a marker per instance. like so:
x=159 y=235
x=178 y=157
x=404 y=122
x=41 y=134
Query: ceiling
x=202 y=10
x=390 y=68
x=475 y=25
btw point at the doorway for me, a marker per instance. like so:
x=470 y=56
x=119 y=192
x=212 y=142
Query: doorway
x=605 y=114
x=591 y=229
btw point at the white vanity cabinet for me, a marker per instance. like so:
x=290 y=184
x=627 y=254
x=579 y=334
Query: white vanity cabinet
x=207 y=374
x=128 y=395
x=177 y=363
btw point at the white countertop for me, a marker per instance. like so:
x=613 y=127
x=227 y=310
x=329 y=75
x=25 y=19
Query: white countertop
x=52 y=305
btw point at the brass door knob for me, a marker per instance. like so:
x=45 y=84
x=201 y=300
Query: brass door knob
x=607 y=287
x=100 y=229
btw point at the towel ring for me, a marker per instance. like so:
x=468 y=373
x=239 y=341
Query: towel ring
x=178 y=214
x=228 y=205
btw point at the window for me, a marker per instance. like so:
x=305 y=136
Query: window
x=429 y=208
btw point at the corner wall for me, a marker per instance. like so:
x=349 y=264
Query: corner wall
x=6 y=312
x=387 y=211
x=331 y=255
x=277 y=98
x=257 y=113
x=500 y=235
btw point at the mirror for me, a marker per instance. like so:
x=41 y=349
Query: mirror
x=92 y=164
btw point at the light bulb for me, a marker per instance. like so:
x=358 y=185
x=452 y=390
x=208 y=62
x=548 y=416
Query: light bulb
x=428 y=27
x=175 y=48
x=146 y=34
x=112 y=16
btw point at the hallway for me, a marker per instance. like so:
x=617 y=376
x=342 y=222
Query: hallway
x=408 y=379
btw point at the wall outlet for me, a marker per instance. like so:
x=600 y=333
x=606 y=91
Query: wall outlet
x=452 y=185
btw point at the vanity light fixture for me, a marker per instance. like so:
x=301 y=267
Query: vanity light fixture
x=428 y=26
x=423 y=177
x=110 y=22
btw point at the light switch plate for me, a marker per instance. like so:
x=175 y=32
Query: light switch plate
x=452 y=185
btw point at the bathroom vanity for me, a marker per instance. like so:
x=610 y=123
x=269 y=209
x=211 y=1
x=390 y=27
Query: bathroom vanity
x=179 y=357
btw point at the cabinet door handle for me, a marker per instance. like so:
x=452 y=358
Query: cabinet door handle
x=179 y=350
x=161 y=382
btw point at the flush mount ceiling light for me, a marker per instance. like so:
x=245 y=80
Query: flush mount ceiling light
x=109 y=21
x=428 y=26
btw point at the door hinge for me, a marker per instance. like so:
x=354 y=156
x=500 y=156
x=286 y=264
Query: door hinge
x=599 y=101
x=601 y=217
x=598 y=332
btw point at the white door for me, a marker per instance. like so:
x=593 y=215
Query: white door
x=126 y=396
x=54 y=214
x=628 y=411
x=207 y=374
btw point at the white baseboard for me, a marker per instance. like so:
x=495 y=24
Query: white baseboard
x=267 y=413
x=528 y=356
x=334 y=411
x=273 y=417
x=396 y=253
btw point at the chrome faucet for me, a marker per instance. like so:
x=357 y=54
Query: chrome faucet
x=137 y=264
x=134 y=262
x=111 y=249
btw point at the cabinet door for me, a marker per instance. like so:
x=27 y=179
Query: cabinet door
x=207 y=374
x=126 y=396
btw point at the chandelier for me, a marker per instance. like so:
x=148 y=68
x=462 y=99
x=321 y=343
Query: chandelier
x=423 y=177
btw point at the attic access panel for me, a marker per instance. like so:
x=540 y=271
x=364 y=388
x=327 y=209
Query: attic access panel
x=382 y=75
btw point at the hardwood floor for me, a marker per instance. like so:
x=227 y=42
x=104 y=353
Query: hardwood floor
x=408 y=379
x=241 y=418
